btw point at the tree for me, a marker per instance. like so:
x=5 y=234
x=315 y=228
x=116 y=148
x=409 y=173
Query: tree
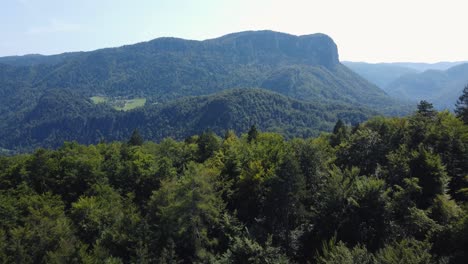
x=136 y=139
x=338 y=253
x=41 y=233
x=283 y=202
x=340 y=133
x=407 y=251
x=107 y=223
x=426 y=109
x=420 y=123
x=252 y=134
x=430 y=171
x=208 y=144
x=364 y=149
x=461 y=107
x=67 y=172
x=187 y=211
x=246 y=250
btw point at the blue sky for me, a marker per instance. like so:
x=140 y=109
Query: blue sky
x=364 y=30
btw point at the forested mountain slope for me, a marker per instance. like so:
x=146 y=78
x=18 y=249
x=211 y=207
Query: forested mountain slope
x=440 y=83
x=164 y=72
x=380 y=74
x=421 y=66
x=62 y=115
x=169 y=68
x=440 y=87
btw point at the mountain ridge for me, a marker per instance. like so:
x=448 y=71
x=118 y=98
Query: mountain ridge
x=439 y=87
x=167 y=69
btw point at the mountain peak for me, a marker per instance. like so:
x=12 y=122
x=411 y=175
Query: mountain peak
x=264 y=46
x=313 y=49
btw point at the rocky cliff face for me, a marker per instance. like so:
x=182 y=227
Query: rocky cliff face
x=266 y=46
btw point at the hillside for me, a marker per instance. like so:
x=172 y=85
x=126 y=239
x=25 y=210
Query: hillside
x=36 y=59
x=165 y=69
x=339 y=85
x=161 y=77
x=439 y=87
x=421 y=66
x=380 y=74
x=236 y=109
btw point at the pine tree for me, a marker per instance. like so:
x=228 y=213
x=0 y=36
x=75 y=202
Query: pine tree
x=208 y=144
x=461 y=107
x=340 y=133
x=135 y=139
x=426 y=109
x=252 y=134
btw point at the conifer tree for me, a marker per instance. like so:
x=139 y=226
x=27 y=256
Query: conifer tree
x=136 y=139
x=252 y=134
x=426 y=109
x=461 y=107
x=340 y=133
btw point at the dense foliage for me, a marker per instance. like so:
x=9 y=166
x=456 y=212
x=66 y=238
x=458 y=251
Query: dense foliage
x=63 y=115
x=390 y=190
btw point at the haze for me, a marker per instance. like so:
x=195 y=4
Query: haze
x=364 y=30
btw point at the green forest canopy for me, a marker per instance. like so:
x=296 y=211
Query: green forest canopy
x=390 y=190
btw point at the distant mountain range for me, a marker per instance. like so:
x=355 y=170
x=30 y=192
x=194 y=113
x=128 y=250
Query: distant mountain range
x=439 y=83
x=421 y=66
x=442 y=88
x=44 y=98
x=380 y=74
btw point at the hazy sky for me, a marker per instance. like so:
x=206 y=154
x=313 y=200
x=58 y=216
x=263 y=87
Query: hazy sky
x=364 y=30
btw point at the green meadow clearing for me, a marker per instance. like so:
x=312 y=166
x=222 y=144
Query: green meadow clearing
x=120 y=104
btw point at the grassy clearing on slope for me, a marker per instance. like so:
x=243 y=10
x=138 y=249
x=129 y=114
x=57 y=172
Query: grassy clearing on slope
x=130 y=104
x=120 y=104
x=99 y=99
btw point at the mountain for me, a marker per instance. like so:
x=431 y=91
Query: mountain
x=333 y=86
x=442 y=88
x=421 y=66
x=160 y=71
x=35 y=59
x=168 y=68
x=235 y=109
x=380 y=74
x=440 y=83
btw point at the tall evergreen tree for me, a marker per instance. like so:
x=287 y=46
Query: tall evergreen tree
x=208 y=144
x=340 y=133
x=430 y=171
x=136 y=139
x=252 y=134
x=461 y=107
x=426 y=109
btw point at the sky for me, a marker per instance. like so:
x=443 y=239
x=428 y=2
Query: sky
x=364 y=30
